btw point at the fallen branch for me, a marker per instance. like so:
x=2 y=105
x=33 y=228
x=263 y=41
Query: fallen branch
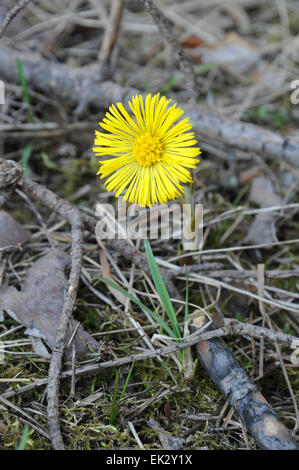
x=79 y=88
x=65 y=209
x=231 y=327
x=10 y=175
x=48 y=130
x=256 y=414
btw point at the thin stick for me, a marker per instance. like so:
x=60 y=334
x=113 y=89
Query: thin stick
x=24 y=416
x=72 y=214
x=166 y=31
x=65 y=209
x=12 y=13
x=231 y=327
x=136 y=437
x=266 y=317
x=111 y=33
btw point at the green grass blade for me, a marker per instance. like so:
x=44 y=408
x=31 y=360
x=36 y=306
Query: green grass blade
x=241 y=194
x=25 y=90
x=203 y=68
x=140 y=304
x=161 y=289
x=125 y=387
x=22 y=445
x=47 y=162
x=26 y=157
x=127 y=382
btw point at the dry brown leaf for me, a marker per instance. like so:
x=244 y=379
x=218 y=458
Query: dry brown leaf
x=192 y=41
x=262 y=230
x=12 y=234
x=39 y=305
x=232 y=51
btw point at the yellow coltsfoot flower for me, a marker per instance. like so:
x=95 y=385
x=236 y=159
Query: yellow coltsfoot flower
x=151 y=151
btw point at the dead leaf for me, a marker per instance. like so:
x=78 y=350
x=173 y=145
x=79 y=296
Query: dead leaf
x=192 y=41
x=168 y=442
x=39 y=305
x=168 y=412
x=262 y=230
x=232 y=51
x=263 y=194
x=248 y=175
x=12 y=234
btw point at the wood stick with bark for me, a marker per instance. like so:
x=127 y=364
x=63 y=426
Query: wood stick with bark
x=10 y=176
x=78 y=87
x=258 y=417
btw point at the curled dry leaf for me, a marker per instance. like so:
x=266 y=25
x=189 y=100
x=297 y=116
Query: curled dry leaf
x=168 y=412
x=262 y=229
x=192 y=41
x=12 y=234
x=39 y=305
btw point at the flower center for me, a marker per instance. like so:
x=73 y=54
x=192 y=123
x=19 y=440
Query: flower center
x=147 y=150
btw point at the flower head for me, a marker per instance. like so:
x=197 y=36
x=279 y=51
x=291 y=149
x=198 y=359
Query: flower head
x=151 y=150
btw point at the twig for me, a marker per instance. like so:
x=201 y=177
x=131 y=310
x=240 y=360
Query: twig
x=234 y=273
x=214 y=282
x=111 y=33
x=72 y=85
x=24 y=416
x=65 y=209
x=260 y=274
x=136 y=437
x=231 y=327
x=256 y=414
x=10 y=175
x=166 y=31
x=47 y=130
x=12 y=13
x=246 y=137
